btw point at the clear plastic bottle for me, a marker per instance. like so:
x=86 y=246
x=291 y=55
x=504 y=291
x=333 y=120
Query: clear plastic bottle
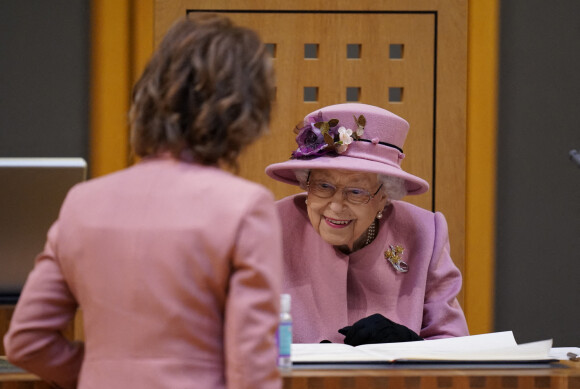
x=284 y=334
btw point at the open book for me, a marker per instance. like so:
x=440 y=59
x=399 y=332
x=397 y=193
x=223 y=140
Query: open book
x=494 y=347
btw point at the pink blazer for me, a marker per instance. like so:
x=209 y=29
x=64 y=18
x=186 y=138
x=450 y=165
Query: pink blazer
x=177 y=270
x=331 y=290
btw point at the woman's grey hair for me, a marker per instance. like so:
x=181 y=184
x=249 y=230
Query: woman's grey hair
x=302 y=177
x=393 y=187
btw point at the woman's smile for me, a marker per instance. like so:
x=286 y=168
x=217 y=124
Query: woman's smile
x=337 y=223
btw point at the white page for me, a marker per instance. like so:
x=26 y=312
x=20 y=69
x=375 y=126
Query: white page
x=446 y=346
x=458 y=343
x=500 y=346
x=524 y=352
x=561 y=353
x=329 y=352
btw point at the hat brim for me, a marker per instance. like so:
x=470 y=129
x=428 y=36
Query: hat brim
x=284 y=171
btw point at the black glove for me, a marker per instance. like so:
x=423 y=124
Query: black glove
x=377 y=329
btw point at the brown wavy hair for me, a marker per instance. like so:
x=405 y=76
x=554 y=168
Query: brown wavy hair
x=207 y=90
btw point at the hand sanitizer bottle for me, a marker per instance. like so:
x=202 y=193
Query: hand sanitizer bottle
x=284 y=335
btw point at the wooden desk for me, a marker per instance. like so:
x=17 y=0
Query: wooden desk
x=16 y=380
x=566 y=377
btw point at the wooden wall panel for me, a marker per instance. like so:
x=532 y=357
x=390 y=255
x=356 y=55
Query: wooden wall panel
x=434 y=101
x=110 y=85
x=122 y=42
x=332 y=72
x=481 y=164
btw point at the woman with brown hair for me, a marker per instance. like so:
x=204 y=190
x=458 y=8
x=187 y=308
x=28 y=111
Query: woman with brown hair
x=175 y=263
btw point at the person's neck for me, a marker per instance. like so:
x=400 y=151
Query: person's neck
x=358 y=244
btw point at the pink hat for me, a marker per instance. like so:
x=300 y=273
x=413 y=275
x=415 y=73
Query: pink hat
x=350 y=136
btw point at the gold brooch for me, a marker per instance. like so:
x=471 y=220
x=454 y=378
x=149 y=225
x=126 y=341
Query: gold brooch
x=393 y=255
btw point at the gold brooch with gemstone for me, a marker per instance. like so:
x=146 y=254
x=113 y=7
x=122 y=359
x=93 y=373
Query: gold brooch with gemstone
x=393 y=255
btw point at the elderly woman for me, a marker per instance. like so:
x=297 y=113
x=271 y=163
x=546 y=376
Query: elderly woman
x=178 y=275
x=356 y=258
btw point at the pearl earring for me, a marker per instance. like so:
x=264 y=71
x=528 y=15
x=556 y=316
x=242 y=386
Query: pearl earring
x=306 y=201
x=380 y=215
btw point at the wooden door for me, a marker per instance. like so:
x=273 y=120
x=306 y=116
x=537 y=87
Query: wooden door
x=407 y=57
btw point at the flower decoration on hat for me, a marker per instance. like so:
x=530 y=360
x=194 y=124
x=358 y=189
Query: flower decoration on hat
x=316 y=137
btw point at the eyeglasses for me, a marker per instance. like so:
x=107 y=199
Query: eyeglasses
x=326 y=190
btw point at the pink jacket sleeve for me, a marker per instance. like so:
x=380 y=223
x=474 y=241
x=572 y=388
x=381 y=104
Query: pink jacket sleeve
x=46 y=306
x=442 y=315
x=253 y=300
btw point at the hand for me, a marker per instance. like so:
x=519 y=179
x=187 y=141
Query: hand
x=377 y=329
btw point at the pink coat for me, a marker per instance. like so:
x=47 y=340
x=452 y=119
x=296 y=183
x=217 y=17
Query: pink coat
x=177 y=269
x=331 y=290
